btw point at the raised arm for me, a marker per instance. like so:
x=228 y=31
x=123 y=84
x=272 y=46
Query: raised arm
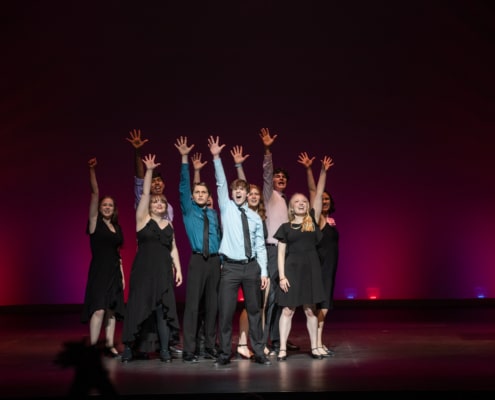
x=267 y=139
x=326 y=163
x=136 y=141
x=184 y=149
x=222 y=187
x=142 y=211
x=93 y=204
x=215 y=146
x=197 y=165
x=267 y=163
x=239 y=158
x=307 y=162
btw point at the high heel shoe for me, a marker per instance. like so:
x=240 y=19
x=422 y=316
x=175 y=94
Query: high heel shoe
x=331 y=353
x=282 y=358
x=316 y=356
x=326 y=352
x=111 y=352
x=239 y=355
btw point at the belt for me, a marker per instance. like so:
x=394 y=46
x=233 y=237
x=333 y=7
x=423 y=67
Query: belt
x=270 y=244
x=241 y=262
x=200 y=253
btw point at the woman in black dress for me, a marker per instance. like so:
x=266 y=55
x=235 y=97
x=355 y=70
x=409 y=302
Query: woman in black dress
x=329 y=256
x=328 y=250
x=104 y=296
x=155 y=267
x=299 y=265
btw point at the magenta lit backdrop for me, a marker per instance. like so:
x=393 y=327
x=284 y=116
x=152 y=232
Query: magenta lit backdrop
x=400 y=97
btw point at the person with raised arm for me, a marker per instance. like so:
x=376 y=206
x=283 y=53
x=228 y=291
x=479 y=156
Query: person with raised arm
x=274 y=187
x=104 y=295
x=157 y=187
x=328 y=250
x=203 y=274
x=244 y=260
x=155 y=269
x=256 y=203
x=299 y=268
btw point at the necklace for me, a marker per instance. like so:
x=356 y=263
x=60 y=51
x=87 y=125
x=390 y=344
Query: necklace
x=295 y=226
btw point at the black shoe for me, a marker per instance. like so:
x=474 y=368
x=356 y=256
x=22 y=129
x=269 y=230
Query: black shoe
x=111 y=352
x=291 y=346
x=274 y=349
x=330 y=353
x=222 y=360
x=175 y=349
x=326 y=353
x=165 y=356
x=127 y=354
x=280 y=357
x=189 y=358
x=210 y=354
x=316 y=356
x=262 y=360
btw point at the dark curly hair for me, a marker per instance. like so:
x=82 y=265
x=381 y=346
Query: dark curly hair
x=280 y=170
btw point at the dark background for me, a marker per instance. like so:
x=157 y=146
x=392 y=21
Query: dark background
x=399 y=94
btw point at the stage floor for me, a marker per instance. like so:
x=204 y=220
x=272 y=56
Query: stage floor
x=386 y=348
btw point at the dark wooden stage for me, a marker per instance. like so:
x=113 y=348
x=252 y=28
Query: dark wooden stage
x=390 y=349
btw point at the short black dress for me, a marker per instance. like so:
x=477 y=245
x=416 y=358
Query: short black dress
x=104 y=290
x=302 y=266
x=328 y=249
x=151 y=284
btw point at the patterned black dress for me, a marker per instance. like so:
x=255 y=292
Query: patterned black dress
x=104 y=288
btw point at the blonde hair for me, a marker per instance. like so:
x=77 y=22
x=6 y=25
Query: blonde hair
x=307 y=223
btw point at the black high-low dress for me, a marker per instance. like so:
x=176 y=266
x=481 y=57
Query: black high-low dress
x=151 y=284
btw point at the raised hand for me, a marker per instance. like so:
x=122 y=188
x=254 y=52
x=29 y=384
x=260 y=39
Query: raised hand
x=237 y=155
x=266 y=138
x=149 y=161
x=196 y=161
x=327 y=162
x=92 y=162
x=135 y=138
x=215 y=147
x=305 y=160
x=181 y=145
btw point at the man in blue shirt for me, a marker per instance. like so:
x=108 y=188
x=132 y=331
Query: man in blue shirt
x=239 y=269
x=203 y=273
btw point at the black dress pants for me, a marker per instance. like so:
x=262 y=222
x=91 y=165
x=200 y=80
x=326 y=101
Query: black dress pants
x=233 y=276
x=203 y=277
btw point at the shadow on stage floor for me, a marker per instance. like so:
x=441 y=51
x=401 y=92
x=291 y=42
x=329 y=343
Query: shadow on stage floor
x=390 y=349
